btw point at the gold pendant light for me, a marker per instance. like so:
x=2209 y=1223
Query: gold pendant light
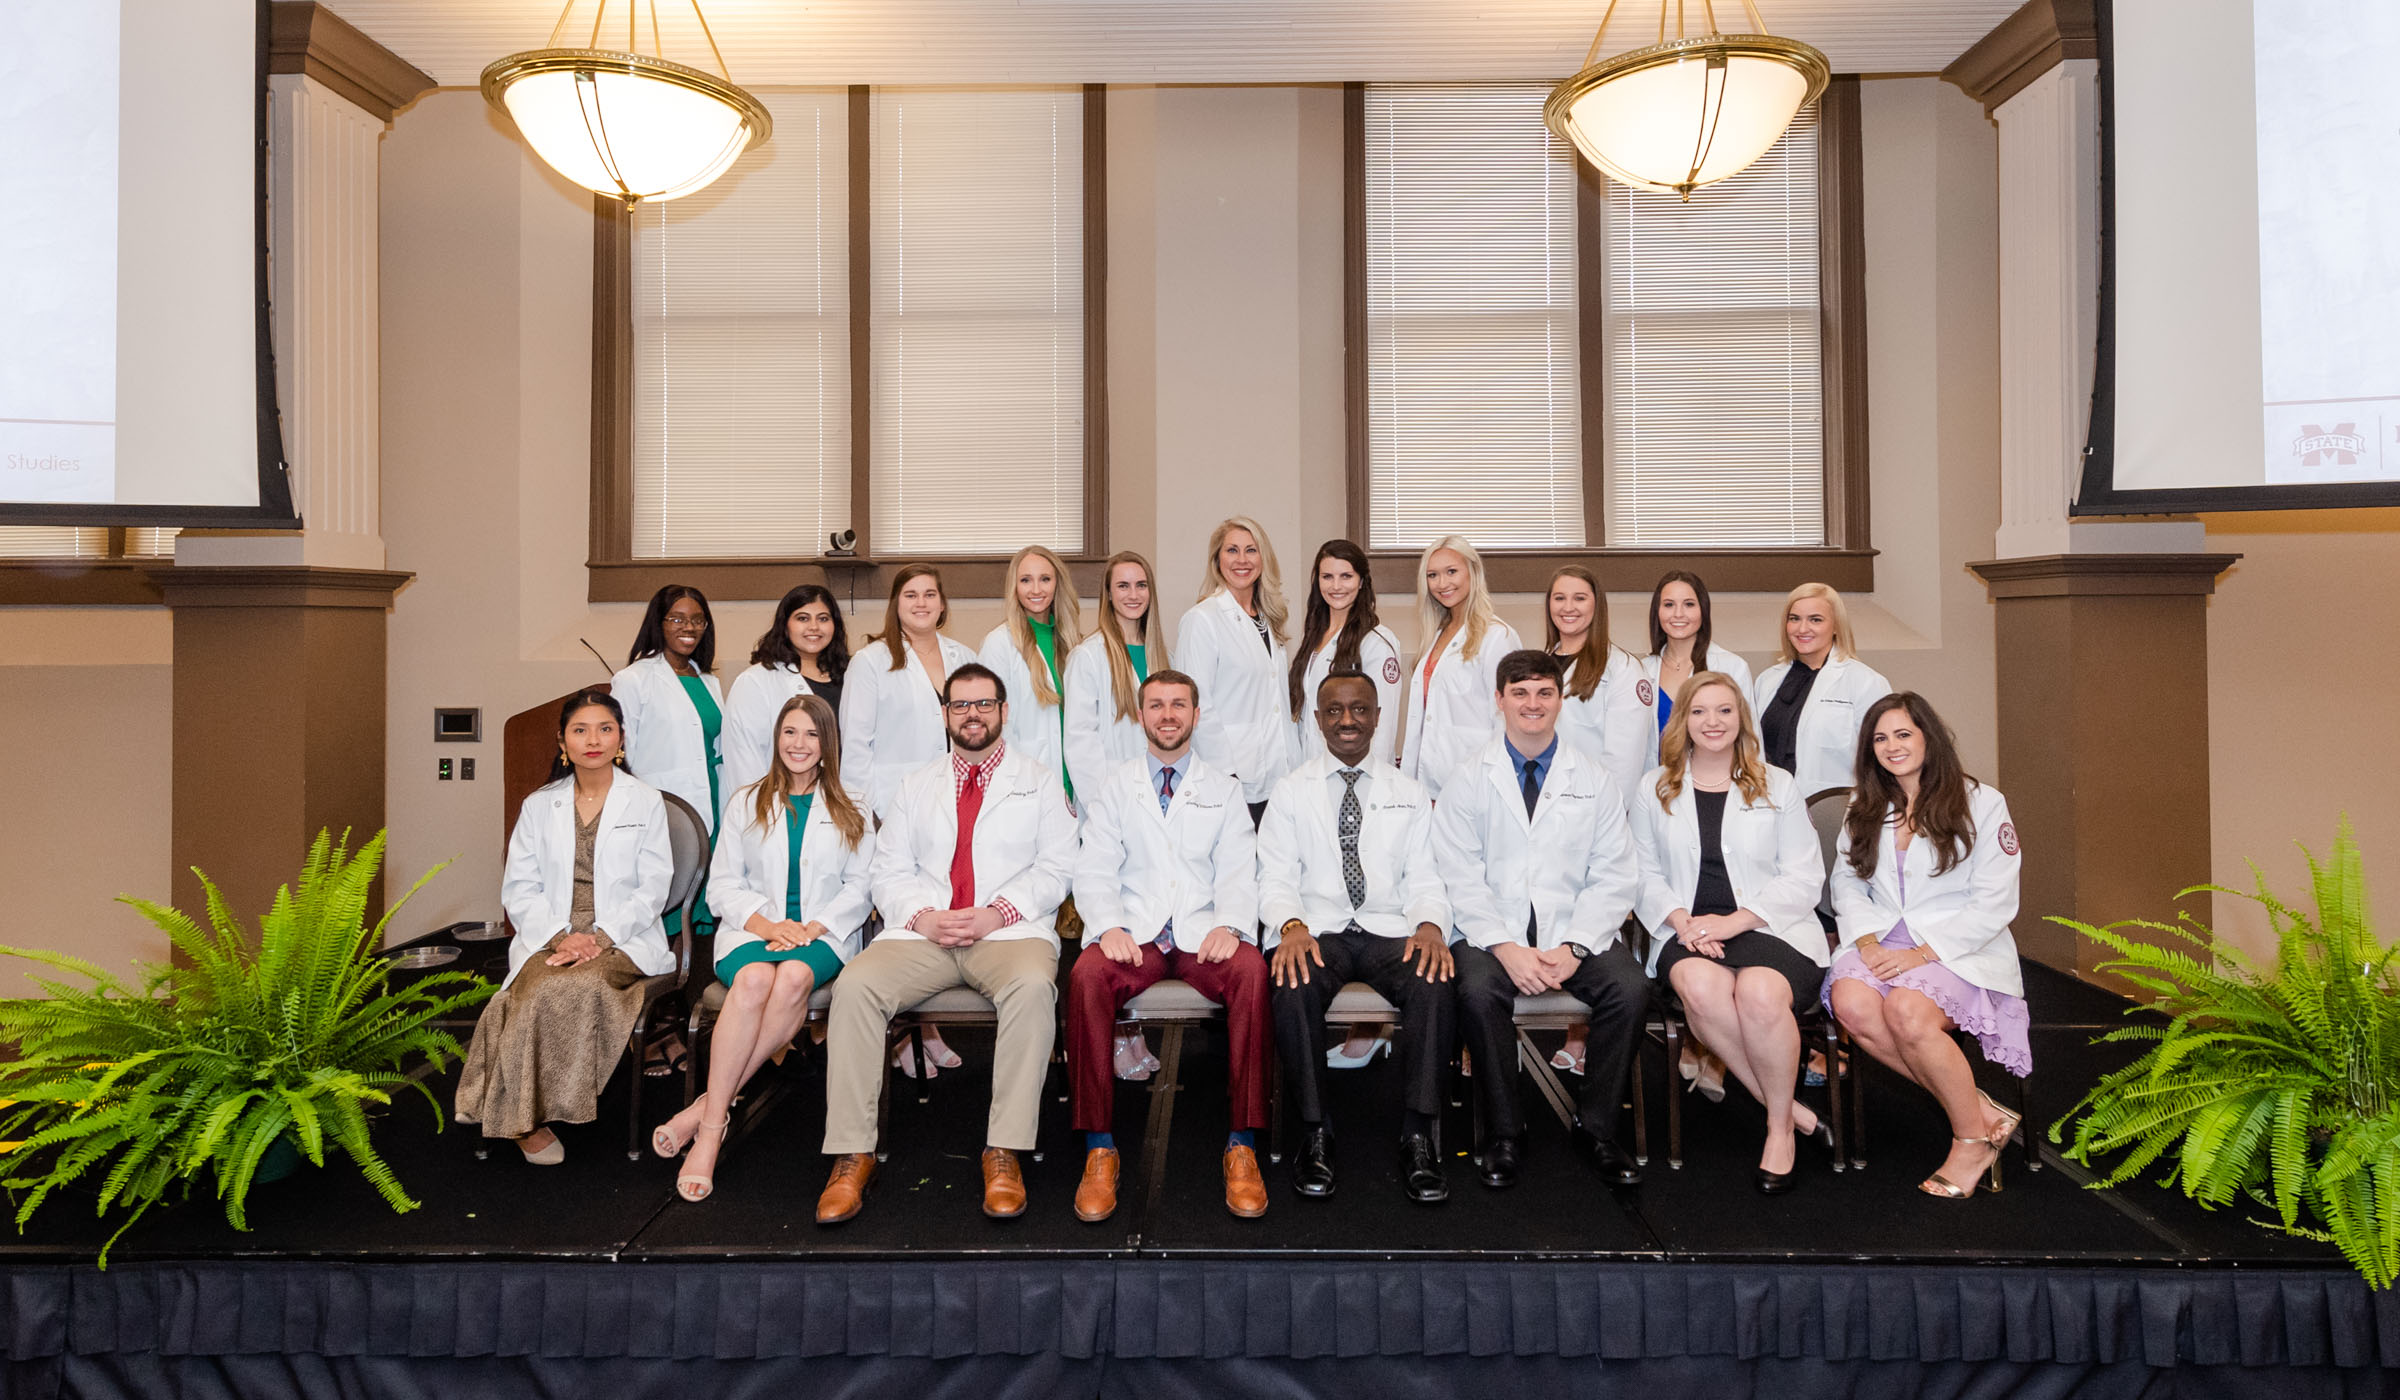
x=1687 y=111
x=621 y=122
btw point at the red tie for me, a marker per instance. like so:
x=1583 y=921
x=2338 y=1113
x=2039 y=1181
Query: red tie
x=962 y=857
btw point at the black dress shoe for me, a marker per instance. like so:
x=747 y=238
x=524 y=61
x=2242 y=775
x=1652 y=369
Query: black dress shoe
x=1312 y=1168
x=1603 y=1156
x=1499 y=1164
x=1421 y=1170
x=1775 y=1183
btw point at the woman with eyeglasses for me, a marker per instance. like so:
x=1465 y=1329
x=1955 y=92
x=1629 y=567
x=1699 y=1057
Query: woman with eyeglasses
x=674 y=710
x=804 y=651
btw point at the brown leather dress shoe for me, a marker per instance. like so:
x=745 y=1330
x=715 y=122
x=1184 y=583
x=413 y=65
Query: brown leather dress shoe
x=1003 y=1184
x=846 y=1189
x=1245 y=1189
x=1096 y=1197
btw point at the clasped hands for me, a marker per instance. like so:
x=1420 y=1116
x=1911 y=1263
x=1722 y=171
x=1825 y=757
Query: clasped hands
x=1118 y=946
x=1888 y=963
x=1705 y=934
x=1536 y=970
x=957 y=928
x=783 y=935
x=568 y=949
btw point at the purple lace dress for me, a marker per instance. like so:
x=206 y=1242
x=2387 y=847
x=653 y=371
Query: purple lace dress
x=1997 y=1020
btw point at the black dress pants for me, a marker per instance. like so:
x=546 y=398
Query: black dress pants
x=1428 y=1019
x=1611 y=987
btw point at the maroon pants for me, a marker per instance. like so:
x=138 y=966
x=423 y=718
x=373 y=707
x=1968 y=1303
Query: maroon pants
x=1097 y=989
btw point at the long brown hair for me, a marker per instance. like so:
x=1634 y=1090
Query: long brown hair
x=1066 y=621
x=1590 y=662
x=893 y=636
x=1361 y=621
x=772 y=789
x=1942 y=814
x=1122 y=682
x=1658 y=634
x=1675 y=743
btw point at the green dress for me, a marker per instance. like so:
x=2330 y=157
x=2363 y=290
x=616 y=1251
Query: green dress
x=1140 y=656
x=712 y=725
x=819 y=955
x=1045 y=636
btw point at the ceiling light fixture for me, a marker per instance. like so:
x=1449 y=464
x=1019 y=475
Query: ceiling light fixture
x=1687 y=111
x=621 y=122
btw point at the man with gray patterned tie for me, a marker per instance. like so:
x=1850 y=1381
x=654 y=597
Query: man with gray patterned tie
x=1348 y=882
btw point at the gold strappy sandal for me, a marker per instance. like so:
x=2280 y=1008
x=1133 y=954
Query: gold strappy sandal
x=2007 y=1131
x=1942 y=1186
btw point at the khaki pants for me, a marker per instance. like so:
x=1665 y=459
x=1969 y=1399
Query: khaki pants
x=1019 y=975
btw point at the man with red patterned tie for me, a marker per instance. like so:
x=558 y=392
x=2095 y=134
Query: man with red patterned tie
x=971 y=864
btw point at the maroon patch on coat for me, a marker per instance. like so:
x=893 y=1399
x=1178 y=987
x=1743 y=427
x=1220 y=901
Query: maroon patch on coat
x=2008 y=837
x=1391 y=670
x=1643 y=691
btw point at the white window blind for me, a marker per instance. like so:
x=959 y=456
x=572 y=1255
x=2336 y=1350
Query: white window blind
x=977 y=322
x=1713 y=401
x=1472 y=412
x=741 y=359
x=52 y=542
x=151 y=543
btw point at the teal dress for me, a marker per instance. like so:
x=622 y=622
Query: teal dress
x=819 y=955
x=712 y=725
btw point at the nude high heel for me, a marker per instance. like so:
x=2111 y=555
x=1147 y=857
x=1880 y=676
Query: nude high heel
x=706 y=1185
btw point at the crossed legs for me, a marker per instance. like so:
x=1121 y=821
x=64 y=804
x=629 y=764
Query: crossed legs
x=763 y=1011
x=1908 y=1032
x=1745 y=1015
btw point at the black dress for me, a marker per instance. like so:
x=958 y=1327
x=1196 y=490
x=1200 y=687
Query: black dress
x=1713 y=894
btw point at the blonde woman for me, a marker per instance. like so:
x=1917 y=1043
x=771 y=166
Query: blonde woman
x=1231 y=643
x=1450 y=709
x=1810 y=702
x=1730 y=875
x=1041 y=625
x=788 y=884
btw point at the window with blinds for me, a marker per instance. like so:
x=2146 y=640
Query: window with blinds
x=1473 y=423
x=84 y=542
x=977 y=325
x=741 y=357
x=1714 y=398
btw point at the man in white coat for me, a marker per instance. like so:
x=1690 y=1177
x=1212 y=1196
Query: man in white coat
x=1347 y=877
x=1541 y=873
x=1168 y=875
x=971 y=864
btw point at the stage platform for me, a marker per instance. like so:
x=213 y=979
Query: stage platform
x=520 y=1280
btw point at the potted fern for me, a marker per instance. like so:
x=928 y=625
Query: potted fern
x=2277 y=1083
x=204 y=1068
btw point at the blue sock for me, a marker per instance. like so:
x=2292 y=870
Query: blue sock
x=1099 y=1142
x=1240 y=1137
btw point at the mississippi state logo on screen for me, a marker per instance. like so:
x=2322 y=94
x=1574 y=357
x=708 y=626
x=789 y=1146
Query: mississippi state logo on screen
x=1391 y=670
x=1643 y=692
x=2008 y=837
x=2339 y=448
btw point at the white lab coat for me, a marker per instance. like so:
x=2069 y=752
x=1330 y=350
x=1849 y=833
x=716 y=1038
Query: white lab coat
x=1033 y=728
x=1024 y=847
x=1570 y=866
x=1614 y=725
x=1721 y=659
x=746 y=748
x=892 y=720
x=748 y=873
x=1196 y=863
x=1962 y=914
x=1379 y=659
x=1772 y=860
x=633 y=865
x=1300 y=854
x=1245 y=725
x=1826 y=744
x=665 y=743
x=1448 y=725
x=1098 y=738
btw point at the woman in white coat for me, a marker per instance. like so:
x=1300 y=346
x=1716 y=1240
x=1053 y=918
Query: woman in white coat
x=1451 y=711
x=789 y=885
x=1106 y=670
x=805 y=651
x=1682 y=625
x=1231 y=643
x=674 y=710
x=1730 y=876
x=1040 y=626
x=1340 y=631
x=1925 y=887
x=891 y=715
x=1810 y=701
x=589 y=867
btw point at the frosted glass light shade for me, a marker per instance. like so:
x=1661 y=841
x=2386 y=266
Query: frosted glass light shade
x=626 y=125
x=1679 y=115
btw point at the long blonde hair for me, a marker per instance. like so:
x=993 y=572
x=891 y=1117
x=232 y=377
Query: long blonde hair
x=1843 y=649
x=1675 y=744
x=1121 y=680
x=1432 y=617
x=1066 y=620
x=894 y=636
x=770 y=791
x=1268 y=590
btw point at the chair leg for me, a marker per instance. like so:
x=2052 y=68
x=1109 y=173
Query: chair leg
x=1858 y=1113
x=633 y=1095
x=2033 y=1158
x=1674 y=1039
x=916 y=1047
x=1641 y=1108
x=883 y=1105
x=1831 y=1034
x=1275 y=1112
x=1162 y=1115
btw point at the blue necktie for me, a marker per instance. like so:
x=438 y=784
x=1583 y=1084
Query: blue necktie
x=1166 y=794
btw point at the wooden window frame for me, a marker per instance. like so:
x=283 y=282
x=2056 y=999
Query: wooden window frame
x=1846 y=560
x=617 y=577
x=113 y=579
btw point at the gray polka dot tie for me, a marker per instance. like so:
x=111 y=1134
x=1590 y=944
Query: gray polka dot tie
x=1354 y=875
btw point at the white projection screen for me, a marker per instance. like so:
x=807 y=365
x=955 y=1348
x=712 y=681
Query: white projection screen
x=135 y=379
x=2250 y=325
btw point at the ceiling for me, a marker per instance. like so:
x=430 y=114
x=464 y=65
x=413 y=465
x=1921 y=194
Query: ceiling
x=769 y=43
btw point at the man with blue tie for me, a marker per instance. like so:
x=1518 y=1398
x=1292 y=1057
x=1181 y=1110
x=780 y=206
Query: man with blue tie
x=1168 y=875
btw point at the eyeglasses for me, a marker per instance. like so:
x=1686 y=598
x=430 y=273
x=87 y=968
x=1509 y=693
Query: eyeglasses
x=688 y=624
x=974 y=707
